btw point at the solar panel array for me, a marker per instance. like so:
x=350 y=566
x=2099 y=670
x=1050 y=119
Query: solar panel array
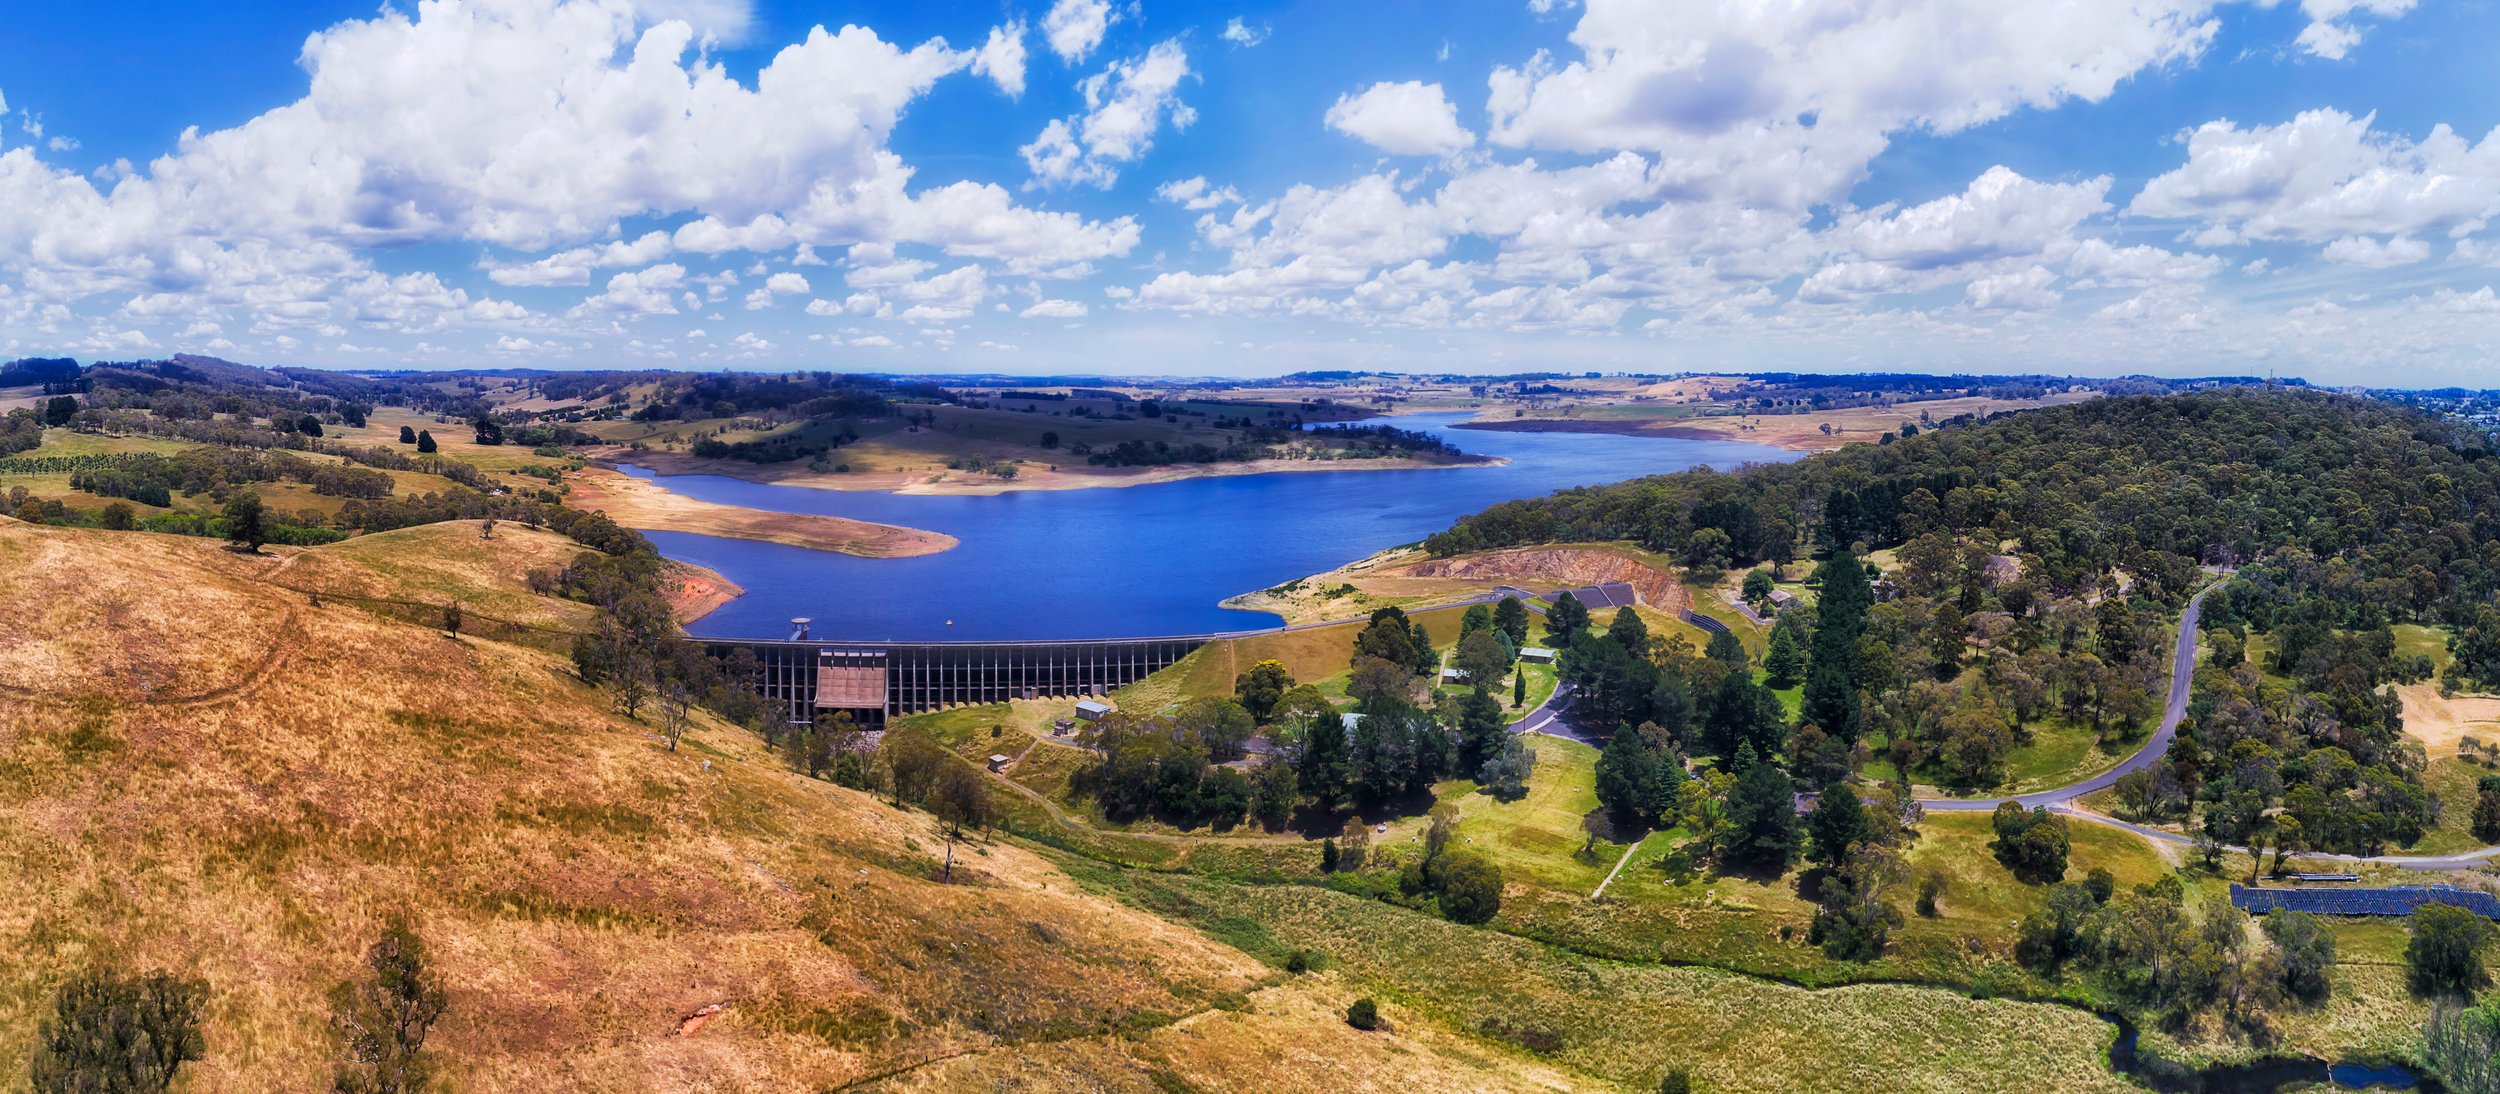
x=1616 y=594
x=1704 y=622
x=2398 y=900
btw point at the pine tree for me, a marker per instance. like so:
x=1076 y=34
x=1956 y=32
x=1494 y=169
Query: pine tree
x=1762 y=815
x=1511 y=618
x=1838 y=820
x=1481 y=728
x=1566 y=621
x=1832 y=684
x=1784 y=663
x=1727 y=649
x=1625 y=772
x=1327 y=762
x=1630 y=632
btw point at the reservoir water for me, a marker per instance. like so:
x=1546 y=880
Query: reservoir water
x=1133 y=561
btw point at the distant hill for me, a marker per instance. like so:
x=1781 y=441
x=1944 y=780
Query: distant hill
x=2149 y=485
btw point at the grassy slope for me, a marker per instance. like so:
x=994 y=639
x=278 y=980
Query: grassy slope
x=1630 y=1023
x=246 y=801
x=230 y=782
x=288 y=498
x=440 y=563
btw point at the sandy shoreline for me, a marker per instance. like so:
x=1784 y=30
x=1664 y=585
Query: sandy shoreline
x=1078 y=477
x=638 y=503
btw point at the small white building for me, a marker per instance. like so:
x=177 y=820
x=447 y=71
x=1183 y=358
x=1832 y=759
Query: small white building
x=1351 y=722
x=1455 y=676
x=1092 y=710
x=1536 y=655
x=1781 y=599
x=998 y=762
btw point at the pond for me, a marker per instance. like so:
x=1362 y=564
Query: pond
x=1134 y=561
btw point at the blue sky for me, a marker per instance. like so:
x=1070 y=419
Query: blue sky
x=2169 y=186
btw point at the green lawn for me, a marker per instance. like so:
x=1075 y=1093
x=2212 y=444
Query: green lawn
x=2061 y=752
x=2455 y=781
x=2431 y=642
x=1538 y=836
x=1542 y=680
x=1792 y=699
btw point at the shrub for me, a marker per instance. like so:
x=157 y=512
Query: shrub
x=2445 y=955
x=1930 y=886
x=1364 y=1014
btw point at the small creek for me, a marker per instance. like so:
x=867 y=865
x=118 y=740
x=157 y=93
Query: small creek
x=2263 y=1077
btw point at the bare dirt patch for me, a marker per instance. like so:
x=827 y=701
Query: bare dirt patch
x=1559 y=568
x=694 y=592
x=2441 y=724
x=636 y=503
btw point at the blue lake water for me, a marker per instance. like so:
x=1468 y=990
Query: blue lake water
x=1133 y=561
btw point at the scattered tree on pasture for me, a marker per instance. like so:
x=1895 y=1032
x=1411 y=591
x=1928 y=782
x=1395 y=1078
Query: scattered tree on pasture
x=383 y=1017
x=247 y=521
x=114 y=1033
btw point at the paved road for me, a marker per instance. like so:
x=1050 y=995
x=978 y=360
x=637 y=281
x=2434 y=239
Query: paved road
x=1547 y=718
x=2182 y=674
x=2464 y=860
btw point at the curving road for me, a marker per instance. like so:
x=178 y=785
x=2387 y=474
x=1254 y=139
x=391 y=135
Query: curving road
x=1547 y=718
x=2182 y=674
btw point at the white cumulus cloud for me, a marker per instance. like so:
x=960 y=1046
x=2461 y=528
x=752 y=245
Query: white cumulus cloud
x=2326 y=175
x=1412 y=118
x=2330 y=33
x=1074 y=27
x=1196 y=193
x=1125 y=105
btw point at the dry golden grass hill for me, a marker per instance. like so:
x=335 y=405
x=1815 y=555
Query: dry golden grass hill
x=203 y=772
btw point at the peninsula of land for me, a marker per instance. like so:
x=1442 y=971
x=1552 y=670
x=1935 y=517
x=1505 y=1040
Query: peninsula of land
x=642 y=504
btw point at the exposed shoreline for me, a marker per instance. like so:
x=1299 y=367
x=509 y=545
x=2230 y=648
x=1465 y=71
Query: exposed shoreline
x=639 y=503
x=1637 y=427
x=693 y=591
x=959 y=483
x=1809 y=431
